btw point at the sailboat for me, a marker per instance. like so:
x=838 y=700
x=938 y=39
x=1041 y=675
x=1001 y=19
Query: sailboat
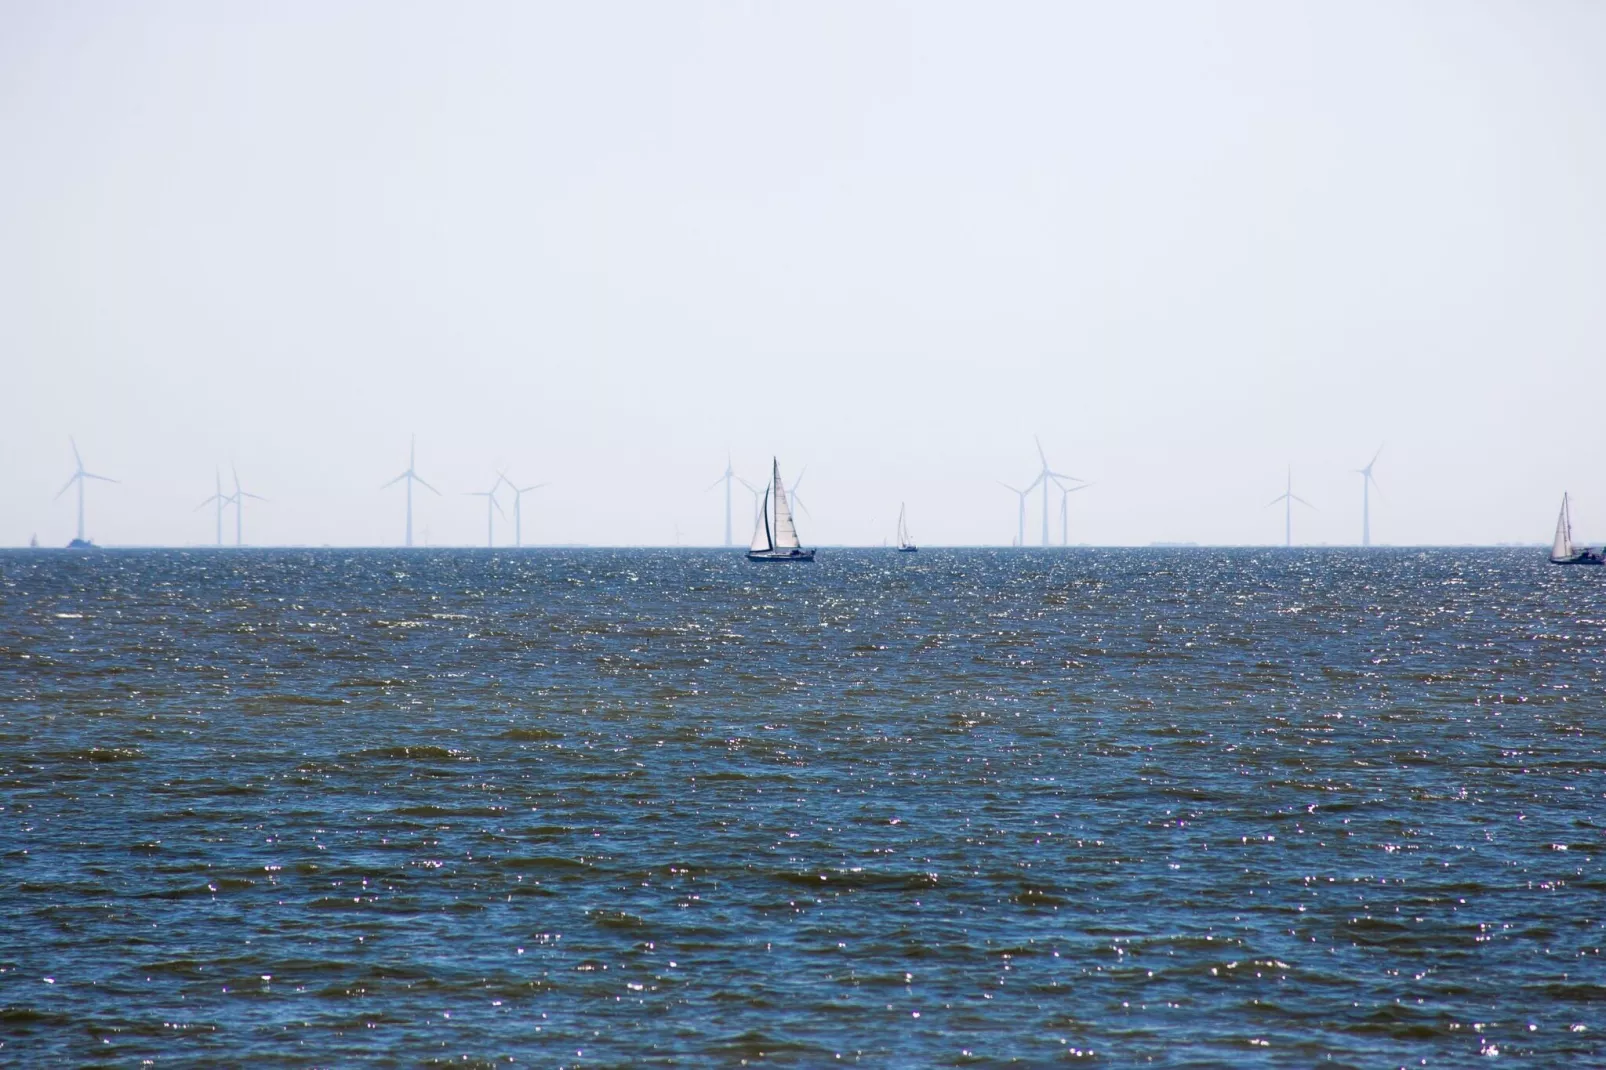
x=904 y=545
x=1562 y=551
x=777 y=541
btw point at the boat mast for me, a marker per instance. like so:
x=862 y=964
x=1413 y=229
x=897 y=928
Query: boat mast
x=769 y=535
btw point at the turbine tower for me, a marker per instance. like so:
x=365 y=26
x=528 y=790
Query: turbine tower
x=1020 y=538
x=490 y=504
x=1046 y=476
x=411 y=477
x=1065 y=511
x=1288 y=498
x=518 y=513
x=78 y=477
x=238 y=499
x=221 y=499
x=1367 y=483
x=729 y=477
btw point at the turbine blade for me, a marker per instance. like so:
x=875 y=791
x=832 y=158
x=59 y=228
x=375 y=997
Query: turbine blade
x=103 y=479
x=714 y=484
x=395 y=481
x=76 y=459
x=536 y=486
x=744 y=483
x=425 y=484
x=496 y=503
x=65 y=486
x=1033 y=484
x=1275 y=500
x=1006 y=486
x=1040 y=454
x=256 y=497
x=1301 y=501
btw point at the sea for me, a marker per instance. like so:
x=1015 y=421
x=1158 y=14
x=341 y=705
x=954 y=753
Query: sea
x=985 y=807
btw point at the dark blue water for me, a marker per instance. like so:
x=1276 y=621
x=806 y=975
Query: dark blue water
x=616 y=808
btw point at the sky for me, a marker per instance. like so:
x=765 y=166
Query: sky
x=604 y=246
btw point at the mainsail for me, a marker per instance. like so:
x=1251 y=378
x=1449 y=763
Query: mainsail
x=903 y=528
x=1562 y=548
x=761 y=528
x=785 y=531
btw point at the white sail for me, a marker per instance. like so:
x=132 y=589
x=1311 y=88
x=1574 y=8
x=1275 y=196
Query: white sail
x=761 y=529
x=1562 y=548
x=903 y=528
x=785 y=531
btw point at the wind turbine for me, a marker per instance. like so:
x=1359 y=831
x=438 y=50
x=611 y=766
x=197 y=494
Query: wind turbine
x=221 y=499
x=757 y=495
x=411 y=477
x=1020 y=539
x=1065 y=512
x=792 y=490
x=78 y=477
x=490 y=504
x=1046 y=476
x=730 y=474
x=518 y=513
x=238 y=498
x=1367 y=483
x=1288 y=498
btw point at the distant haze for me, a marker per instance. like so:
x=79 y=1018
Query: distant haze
x=1187 y=244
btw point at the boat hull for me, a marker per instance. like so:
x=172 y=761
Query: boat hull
x=908 y=549
x=1587 y=557
x=781 y=556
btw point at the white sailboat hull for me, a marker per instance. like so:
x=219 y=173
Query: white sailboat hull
x=780 y=555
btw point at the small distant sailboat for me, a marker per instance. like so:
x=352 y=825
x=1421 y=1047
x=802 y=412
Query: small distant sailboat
x=1562 y=551
x=777 y=542
x=904 y=545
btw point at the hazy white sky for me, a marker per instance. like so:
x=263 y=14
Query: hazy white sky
x=1186 y=243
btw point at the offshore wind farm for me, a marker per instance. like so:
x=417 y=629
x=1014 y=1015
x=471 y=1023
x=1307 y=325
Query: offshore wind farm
x=1049 y=490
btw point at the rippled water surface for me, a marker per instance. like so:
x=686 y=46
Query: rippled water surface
x=611 y=808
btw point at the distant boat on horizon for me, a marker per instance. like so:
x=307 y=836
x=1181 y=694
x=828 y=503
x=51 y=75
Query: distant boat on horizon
x=905 y=546
x=777 y=542
x=1562 y=550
